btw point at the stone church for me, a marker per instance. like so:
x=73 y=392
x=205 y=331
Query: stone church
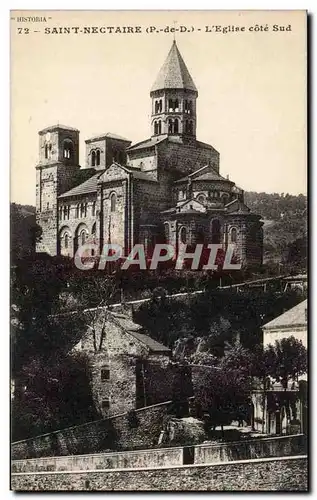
x=167 y=188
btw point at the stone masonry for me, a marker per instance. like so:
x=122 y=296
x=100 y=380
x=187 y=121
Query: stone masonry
x=167 y=188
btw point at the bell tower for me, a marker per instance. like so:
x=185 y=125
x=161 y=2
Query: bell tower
x=174 y=97
x=55 y=173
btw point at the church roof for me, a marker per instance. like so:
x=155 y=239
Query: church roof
x=297 y=316
x=110 y=135
x=174 y=73
x=89 y=186
x=148 y=143
x=210 y=175
x=55 y=127
x=143 y=176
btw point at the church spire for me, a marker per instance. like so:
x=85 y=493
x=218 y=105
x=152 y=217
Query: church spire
x=174 y=97
x=174 y=73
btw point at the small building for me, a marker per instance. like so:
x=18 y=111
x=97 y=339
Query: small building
x=129 y=369
x=273 y=414
x=292 y=323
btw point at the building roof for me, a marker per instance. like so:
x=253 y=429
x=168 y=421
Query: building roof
x=142 y=176
x=104 y=136
x=174 y=73
x=293 y=317
x=148 y=143
x=58 y=126
x=89 y=186
x=211 y=175
x=135 y=330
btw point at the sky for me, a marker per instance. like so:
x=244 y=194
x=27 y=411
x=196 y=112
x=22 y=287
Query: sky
x=252 y=87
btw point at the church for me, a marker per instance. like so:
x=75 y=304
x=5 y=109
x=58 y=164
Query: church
x=166 y=188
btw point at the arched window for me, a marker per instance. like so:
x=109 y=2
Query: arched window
x=233 y=235
x=93 y=229
x=215 y=231
x=82 y=210
x=176 y=126
x=155 y=128
x=66 y=240
x=188 y=107
x=77 y=211
x=158 y=106
x=159 y=127
x=65 y=213
x=46 y=151
x=93 y=209
x=113 y=202
x=83 y=237
x=170 y=126
x=183 y=235
x=93 y=158
x=98 y=157
x=68 y=149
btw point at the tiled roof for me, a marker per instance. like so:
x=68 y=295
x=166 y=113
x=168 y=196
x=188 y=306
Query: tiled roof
x=174 y=73
x=211 y=175
x=293 y=317
x=135 y=330
x=148 y=143
x=204 y=145
x=58 y=126
x=89 y=186
x=107 y=134
x=142 y=176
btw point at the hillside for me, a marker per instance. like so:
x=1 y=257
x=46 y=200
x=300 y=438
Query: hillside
x=23 y=230
x=285 y=225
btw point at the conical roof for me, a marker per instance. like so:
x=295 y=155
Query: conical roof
x=174 y=73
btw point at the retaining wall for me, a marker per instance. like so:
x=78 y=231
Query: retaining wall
x=279 y=474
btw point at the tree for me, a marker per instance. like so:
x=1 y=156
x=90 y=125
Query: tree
x=93 y=294
x=286 y=360
x=220 y=392
x=237 y=357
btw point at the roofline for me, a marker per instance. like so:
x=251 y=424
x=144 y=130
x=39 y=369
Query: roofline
x=52 y=128
x=80 y=195
x=288 y=326
x=131 y=332
x=185 y=89
x=138 y=144
x=106 y=136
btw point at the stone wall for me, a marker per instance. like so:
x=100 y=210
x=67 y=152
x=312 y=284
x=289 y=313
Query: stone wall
x=250 y=449
x=120 y=460
x=115 y=433
x=277 y=474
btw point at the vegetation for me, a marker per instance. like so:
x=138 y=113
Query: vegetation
x=224 y=391
x=202 y=330
x=285 y=227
